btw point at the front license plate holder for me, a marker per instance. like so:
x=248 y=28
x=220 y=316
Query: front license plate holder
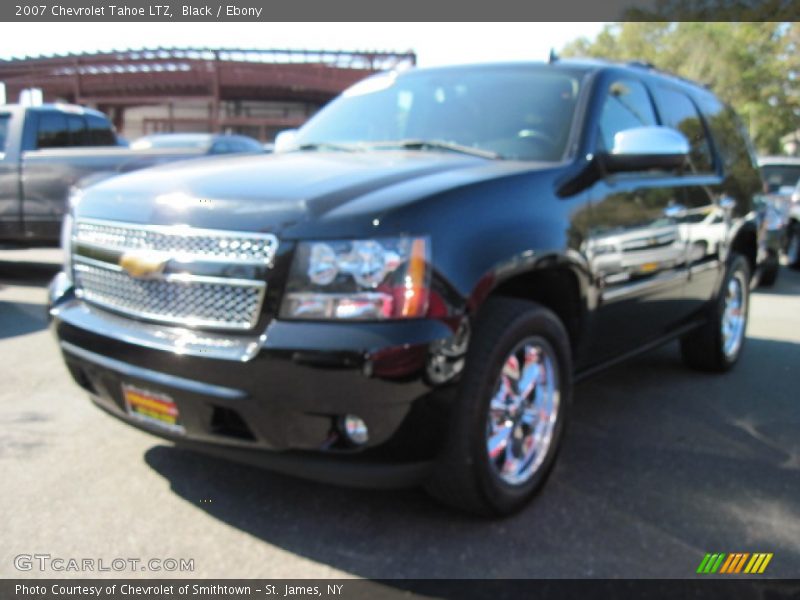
x=154 y=408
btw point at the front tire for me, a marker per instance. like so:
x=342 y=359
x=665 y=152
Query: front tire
x=511 y=411
x=717 y=345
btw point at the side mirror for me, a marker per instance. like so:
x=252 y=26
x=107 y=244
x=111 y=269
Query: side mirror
x=644 y=148
x=285 y=141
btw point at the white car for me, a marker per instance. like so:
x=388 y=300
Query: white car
x=781 y=174
x=703 y=230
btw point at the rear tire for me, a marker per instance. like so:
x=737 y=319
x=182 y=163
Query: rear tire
x=509 y=417
x=717 y=345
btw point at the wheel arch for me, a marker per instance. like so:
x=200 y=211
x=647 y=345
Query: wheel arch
x=556 y=282
x=745 y=242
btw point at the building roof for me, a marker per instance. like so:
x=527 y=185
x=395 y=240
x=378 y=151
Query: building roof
x=148 y=76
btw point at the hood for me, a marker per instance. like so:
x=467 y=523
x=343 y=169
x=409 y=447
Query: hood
x=273 y=192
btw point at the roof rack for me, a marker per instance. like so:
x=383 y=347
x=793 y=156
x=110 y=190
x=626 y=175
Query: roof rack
x=642 y=65
x=651 y=67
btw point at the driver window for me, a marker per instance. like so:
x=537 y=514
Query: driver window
x=627 y=105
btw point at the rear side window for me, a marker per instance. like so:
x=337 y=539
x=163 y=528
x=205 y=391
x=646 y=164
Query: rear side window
x=100 y=132
x=627 y=105
x=77 y=130
x=4 y=121
x=53 y=131
x=679 y=112
x=730 y=137
x=62 y=130
x=742 y=178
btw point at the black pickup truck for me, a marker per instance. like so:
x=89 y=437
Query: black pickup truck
x=407 y=295
x=46 y=150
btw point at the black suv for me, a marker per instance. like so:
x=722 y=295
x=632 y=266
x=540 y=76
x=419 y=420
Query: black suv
x=407 y=294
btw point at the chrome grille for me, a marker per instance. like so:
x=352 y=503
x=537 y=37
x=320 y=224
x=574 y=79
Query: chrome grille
x=180 y=241
x=196 y=291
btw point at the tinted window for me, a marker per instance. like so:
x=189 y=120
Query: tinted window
x=742 y=179
x=247 y=145
x=518 y=112
x=627 y=106
x=692 y=218
x=679 y=112
x=4 y=121
x=53 y=132
x=730 y=137
x=77 y=130
x=221 y=147
x=100 y=132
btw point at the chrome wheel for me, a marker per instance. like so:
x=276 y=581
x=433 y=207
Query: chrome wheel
x=734 y=316
x=523 y=412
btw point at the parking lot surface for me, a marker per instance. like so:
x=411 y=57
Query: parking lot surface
x=660 y=465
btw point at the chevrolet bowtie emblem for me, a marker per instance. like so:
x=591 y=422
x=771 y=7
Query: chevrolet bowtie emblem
x=143 y=264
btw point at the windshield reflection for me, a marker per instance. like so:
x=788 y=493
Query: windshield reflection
x=520 y=112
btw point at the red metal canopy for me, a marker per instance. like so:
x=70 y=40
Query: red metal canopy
x=115 y=80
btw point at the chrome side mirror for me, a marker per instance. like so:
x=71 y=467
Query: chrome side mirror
x=285 y=141
x=643 y=148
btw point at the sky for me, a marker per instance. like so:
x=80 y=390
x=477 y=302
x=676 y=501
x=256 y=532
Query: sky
x=435 y=43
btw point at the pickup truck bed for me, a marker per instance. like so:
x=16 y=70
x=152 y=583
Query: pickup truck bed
x=35 y=182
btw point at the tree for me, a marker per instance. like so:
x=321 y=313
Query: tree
x=752 y=66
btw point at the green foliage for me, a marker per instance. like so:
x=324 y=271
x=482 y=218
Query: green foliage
x=753 y=66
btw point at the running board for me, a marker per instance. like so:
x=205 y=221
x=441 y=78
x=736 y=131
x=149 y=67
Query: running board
x=595 y=369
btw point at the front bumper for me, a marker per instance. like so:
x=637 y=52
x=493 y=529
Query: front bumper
x=273 y=400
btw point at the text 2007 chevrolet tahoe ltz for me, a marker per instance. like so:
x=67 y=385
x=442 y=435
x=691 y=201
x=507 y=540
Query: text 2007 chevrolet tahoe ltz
x=407 y=295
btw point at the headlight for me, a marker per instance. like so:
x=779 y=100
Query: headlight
x=368 y=280
x=602 y=249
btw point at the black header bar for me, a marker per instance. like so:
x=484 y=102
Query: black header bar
x=394 y=10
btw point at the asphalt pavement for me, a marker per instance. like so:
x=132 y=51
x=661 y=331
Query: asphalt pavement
x=660 y=465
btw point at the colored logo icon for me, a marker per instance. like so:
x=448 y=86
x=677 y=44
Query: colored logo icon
x=731 y=564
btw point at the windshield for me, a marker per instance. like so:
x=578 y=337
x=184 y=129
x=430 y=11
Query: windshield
x=4 y=121
x=520 y=113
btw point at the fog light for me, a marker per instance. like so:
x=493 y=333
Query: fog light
x=354 y=429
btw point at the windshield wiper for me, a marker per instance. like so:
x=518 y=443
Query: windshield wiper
x=435 y=145
x=326 y=146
